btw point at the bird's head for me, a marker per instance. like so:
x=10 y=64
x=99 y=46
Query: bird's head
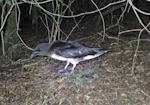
x=41 y=50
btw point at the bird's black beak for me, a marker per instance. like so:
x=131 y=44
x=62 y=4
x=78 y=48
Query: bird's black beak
x=33 y=55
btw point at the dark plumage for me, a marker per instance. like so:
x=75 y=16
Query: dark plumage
x=69 y=51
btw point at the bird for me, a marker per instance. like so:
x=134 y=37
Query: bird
x=69 y=51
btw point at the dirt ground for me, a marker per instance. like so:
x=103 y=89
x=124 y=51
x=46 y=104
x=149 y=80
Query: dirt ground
x=106 y=80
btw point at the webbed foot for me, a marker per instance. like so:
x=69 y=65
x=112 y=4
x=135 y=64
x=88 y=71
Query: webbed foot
x=62 y=72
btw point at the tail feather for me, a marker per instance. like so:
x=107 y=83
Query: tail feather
x=101 y=50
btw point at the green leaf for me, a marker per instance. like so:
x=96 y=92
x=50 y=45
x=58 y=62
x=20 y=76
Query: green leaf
x=9 y=3
x=80 y=81
x=87 y=97
x=84 y=72
x=1 y=1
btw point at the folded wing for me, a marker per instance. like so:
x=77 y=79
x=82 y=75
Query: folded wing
x=71 y=49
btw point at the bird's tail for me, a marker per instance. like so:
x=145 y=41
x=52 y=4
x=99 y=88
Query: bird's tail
x=101 y=50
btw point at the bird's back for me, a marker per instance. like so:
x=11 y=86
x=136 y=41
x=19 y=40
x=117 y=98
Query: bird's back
x=70 y=49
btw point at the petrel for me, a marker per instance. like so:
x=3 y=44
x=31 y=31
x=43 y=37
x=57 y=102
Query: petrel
x=69 y=51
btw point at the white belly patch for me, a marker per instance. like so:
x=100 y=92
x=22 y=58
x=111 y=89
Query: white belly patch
x=91 y=56
x=55 y=56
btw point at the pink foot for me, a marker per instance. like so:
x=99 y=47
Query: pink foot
x=62 y=72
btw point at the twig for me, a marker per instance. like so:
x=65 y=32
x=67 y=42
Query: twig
x=74 y=28
x=135 y=54
x=85 y=13
x=136 y=14
x=2 y=33
x=144 y=93
x=18 y=22
x=103 y=22
x=129 y=31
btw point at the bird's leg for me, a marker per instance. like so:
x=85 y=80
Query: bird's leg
x=72 y=70
x=66 y=72
x=63 y=72
x=65 y=68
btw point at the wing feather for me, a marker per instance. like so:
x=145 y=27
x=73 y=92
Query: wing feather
x=75 y=52
x=71 y=49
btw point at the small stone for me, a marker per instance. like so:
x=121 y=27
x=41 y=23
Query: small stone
x=140 y=69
